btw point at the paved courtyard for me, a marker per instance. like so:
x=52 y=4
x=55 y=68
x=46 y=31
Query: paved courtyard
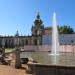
x=9 y=70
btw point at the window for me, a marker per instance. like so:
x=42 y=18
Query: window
x=26 y=42
x=35 y=42
x=22 y=42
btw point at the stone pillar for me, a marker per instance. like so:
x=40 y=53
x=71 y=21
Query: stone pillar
x=17 y=52
x=18 y=61
x=3 y=50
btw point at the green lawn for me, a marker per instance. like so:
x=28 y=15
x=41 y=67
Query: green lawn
x=9 y=49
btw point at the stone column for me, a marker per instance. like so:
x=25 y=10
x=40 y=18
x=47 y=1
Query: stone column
x=17 y=52
x=3 y=48
x=18 y=61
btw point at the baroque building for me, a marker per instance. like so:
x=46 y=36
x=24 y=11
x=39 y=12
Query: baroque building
x=35 y=38
x=40 y=35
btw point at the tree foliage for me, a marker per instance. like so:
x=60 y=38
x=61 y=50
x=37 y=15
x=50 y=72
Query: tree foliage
x=65 y=30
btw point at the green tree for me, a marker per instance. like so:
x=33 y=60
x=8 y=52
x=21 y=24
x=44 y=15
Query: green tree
x=65 y=30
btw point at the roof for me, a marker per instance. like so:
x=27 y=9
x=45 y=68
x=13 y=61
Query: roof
x=47 y=28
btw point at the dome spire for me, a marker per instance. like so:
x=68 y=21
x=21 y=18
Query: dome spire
x=17 y=33
x=38 y=15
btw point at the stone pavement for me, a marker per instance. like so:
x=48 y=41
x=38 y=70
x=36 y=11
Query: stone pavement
x=9 y=70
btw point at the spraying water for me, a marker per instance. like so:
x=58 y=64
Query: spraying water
x=55 y=41
x=55 y=38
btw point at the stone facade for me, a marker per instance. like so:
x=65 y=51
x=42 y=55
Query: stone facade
x=64 y=39
x=40 y=35
x=34 y=39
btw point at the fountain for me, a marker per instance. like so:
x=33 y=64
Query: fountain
x=53 y=63
x=55 y=41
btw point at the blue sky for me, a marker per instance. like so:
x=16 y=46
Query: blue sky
x=20 y=14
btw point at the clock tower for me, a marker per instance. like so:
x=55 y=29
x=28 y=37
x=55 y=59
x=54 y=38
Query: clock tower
x=38 y=27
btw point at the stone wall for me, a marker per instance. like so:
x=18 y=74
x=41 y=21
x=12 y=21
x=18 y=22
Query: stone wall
x=39 y=69
x=63 y=48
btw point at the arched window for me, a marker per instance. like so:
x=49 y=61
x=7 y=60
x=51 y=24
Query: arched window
x=22 y=42
x=12 y=43
x=35 y=42
x=26 y=42
x=0 y=42
x=9 y=42
x=72 y=41
x=6 y=43
x=35 y=32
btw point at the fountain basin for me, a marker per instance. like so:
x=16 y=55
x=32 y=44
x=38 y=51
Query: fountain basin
x=53 y=63
x=65 y=63
x=64 y=59
x=40 y=69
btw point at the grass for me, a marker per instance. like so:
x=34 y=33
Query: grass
x=9 y=49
